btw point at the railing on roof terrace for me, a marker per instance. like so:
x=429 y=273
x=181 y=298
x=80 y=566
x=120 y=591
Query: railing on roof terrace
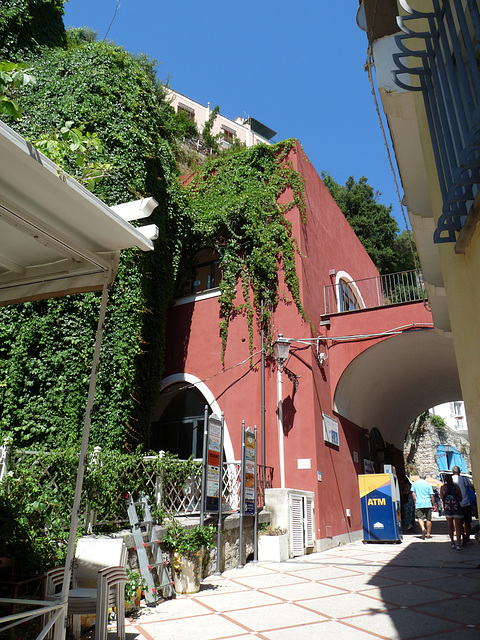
x=368 y=293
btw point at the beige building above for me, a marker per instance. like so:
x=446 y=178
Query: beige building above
x=249 y=131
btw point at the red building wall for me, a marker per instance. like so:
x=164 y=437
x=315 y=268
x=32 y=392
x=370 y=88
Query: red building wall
x=326 y=242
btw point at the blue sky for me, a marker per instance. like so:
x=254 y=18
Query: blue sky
x=296 y=67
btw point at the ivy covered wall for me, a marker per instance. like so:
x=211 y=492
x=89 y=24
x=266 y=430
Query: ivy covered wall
x=46 y=347
x=232 y=205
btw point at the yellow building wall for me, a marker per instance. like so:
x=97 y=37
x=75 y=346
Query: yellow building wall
x=461 y=275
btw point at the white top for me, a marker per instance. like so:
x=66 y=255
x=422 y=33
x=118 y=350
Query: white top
x=463 y=484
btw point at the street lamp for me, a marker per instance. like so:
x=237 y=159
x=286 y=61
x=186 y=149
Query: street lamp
x=281 y=349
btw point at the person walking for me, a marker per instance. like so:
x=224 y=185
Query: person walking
x=424 y=500
x=465 y=505
x=451 y=498
x=408 y=505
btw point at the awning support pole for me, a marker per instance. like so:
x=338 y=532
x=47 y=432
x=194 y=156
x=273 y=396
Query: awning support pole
x=61 y=629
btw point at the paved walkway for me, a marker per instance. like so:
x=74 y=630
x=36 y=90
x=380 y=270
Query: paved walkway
x=416 y=589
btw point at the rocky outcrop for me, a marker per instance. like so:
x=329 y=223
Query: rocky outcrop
x=420 y=448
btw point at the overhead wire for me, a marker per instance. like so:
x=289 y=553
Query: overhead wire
x=427 y=326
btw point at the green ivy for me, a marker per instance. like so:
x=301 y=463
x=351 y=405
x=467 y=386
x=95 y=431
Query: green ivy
x=36 y=498
x=231 y=204
x=27 y=25
x=236 y=210
x=47 y=346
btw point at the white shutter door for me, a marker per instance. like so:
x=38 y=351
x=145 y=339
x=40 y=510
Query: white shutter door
x=309 y=522
x=296 y=525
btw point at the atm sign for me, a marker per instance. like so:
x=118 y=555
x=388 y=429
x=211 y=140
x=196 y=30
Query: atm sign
x=377 y=502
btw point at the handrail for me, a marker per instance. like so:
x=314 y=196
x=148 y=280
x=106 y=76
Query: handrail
x=45 y=607
x=368 y=293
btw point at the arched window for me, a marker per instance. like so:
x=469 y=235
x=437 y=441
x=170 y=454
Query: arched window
x=179 y=424
x=348 y=295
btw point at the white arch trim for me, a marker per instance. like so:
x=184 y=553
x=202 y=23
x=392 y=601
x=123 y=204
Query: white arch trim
x=210 y=399
x=346 y=276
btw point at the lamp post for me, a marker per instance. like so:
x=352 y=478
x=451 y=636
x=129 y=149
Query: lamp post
x=281 y=349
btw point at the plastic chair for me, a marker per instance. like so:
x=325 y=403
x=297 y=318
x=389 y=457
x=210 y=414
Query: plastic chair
x=95 y=588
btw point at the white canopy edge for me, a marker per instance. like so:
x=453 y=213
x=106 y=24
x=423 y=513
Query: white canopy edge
x=56 y=237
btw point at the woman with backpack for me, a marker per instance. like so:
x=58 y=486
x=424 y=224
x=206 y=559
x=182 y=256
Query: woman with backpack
x=451 y=498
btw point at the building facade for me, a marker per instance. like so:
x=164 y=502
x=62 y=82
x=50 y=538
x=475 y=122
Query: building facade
x=326 y=435
x=248 y=131
x=426 y=67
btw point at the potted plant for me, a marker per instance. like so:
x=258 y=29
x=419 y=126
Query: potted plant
x=186 y=545
x=133 y=591
x=272 y=544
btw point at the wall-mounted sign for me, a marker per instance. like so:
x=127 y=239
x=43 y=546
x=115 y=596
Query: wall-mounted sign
x=330 y=430
x=304 y=463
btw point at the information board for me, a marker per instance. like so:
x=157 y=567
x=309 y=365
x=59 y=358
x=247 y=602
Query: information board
x=250 y=472
x=213 y=462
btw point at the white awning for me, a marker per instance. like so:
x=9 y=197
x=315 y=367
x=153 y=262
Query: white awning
x=56 y=237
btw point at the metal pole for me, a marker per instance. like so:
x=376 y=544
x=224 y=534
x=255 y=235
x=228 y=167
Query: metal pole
x=242 y=500
x=60 y=632
x=255 y=519
x=281 y=453
x=204 y=466
x=262 y=366
x=220 y=496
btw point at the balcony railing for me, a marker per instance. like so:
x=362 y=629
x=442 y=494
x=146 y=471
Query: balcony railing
x=368 y=293
x=438 y=55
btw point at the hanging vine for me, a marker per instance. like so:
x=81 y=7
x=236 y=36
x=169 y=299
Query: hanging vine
x=236 y=211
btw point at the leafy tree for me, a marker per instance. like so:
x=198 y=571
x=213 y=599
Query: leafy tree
x=209 y=139
x=372 y=222
x=406 y=252
x=27 y=25
x=80 y=35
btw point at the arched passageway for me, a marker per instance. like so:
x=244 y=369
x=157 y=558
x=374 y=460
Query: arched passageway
x=392 y=382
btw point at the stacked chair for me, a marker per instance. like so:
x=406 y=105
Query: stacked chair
x=98 y=583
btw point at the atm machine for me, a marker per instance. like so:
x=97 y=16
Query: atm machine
x=381 y=509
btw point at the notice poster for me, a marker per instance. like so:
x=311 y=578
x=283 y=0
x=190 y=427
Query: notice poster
x=213 y=462
x=249 y=473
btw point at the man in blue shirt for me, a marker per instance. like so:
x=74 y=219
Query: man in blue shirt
x=424 y=499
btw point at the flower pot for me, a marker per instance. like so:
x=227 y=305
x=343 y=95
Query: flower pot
x=187 y=571
x=134 y=604
x=273 y=548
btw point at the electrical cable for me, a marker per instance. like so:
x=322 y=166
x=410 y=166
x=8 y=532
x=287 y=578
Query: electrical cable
x=391 y=332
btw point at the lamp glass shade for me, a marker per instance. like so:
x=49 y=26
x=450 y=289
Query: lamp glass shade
x=281 y=349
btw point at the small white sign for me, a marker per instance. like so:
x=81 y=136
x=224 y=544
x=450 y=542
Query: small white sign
x=304 y=463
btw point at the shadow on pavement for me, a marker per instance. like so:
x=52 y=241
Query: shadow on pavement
x=428 y=589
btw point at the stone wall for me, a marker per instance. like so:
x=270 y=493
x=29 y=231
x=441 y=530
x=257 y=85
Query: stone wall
x=420 y=448
x=229 y=547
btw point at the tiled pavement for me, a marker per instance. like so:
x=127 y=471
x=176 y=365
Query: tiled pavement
x=416 y=589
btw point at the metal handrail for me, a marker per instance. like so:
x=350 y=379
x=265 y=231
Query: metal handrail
x=368 y=293
x=44 y=607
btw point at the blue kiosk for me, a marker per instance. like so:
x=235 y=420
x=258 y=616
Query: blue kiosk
x=381 y=511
